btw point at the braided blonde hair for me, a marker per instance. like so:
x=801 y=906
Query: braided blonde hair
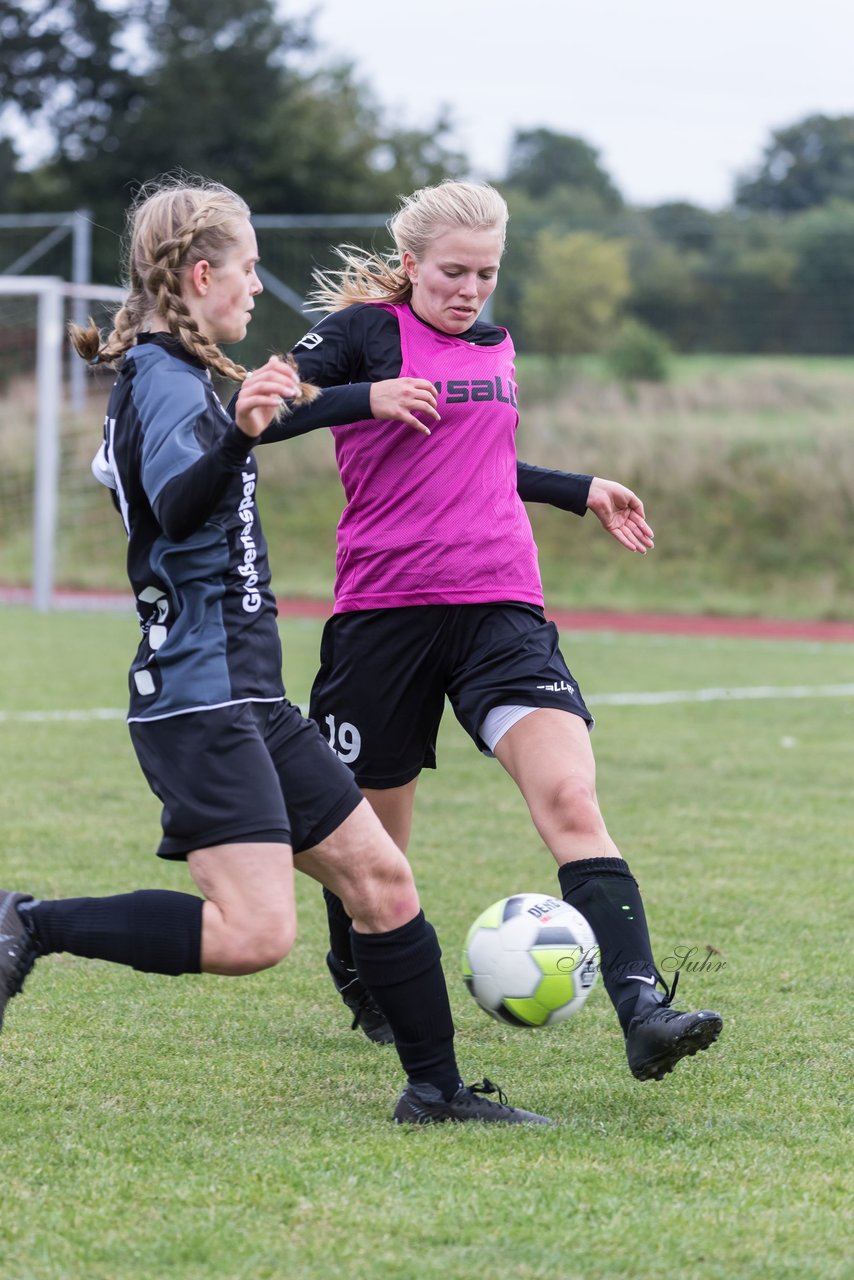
x=174 y=222
x=422 y=216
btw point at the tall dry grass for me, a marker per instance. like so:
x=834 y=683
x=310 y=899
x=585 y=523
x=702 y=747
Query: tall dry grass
x=747 y=473
x=746 y=467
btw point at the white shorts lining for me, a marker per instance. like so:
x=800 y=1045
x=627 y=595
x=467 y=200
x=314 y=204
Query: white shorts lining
x=499 y=720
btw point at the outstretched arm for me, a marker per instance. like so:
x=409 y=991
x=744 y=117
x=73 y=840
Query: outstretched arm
x=621 y=513
x=562 y=489
x=618 y=509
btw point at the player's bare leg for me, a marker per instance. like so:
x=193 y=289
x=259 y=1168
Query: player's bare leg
x=394 y=806
x=249 y=917
x=548 y=753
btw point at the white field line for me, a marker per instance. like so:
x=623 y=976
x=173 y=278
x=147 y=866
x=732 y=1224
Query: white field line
x=54 y=717
x=655 y=698
x=758 y=692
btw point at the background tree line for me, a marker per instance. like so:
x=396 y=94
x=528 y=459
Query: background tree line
x=128 y=91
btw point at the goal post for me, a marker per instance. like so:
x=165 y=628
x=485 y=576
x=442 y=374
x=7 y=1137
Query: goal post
x=52 y=296
x=54 y=518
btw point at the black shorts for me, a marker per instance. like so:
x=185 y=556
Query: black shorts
x=384 y=675
x=252 y=772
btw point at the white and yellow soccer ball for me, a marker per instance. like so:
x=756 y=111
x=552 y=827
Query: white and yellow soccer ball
x=530 y=960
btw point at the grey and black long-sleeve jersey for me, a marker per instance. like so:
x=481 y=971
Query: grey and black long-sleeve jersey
x=184 y=477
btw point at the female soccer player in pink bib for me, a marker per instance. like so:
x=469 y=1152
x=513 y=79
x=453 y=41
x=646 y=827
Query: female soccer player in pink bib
x=438 y=591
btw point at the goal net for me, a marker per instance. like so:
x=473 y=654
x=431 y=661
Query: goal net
x=52 y=512
x=58 y=528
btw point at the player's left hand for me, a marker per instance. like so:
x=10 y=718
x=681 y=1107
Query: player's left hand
x=620 y=512
x=262 y=395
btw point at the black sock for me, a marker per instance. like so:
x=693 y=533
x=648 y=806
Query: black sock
x=153 y=930
x=403 y=973
x=339 y=929
x=607 y=895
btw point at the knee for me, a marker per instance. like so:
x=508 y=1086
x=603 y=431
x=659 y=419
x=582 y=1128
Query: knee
x=383 y=895
x=369 y=873
x=574 y=805
x=262 y=946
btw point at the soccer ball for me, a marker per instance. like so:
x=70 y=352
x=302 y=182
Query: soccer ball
x=530 y=960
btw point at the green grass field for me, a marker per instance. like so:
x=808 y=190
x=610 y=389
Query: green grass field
x=213 y=1129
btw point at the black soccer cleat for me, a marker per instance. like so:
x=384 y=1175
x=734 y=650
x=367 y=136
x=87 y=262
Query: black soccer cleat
x=659 y=1036
x=18 y=950
x=424 y=1104
x=367 y=1015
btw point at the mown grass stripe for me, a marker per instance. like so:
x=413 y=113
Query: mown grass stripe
x=654 y=698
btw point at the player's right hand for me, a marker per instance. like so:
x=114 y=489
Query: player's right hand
x=400 y=399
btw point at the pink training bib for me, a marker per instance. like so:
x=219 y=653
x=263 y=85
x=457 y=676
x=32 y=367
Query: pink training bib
x=437 y=519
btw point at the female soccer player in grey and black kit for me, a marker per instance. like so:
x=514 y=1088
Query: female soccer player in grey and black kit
x=249 y=787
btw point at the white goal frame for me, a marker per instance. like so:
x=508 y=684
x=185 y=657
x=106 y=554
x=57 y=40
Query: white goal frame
x=51 y=292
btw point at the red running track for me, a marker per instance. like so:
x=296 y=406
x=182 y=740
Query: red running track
x=567 y=619
x=670 y=624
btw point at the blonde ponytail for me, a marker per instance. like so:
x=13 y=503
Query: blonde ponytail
x=422 y=216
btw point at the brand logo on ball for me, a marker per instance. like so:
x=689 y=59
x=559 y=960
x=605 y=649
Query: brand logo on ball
x=530 y=960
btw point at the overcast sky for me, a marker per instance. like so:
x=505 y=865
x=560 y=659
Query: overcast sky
x=678 y=97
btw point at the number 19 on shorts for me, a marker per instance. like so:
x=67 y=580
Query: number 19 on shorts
x=344 y=739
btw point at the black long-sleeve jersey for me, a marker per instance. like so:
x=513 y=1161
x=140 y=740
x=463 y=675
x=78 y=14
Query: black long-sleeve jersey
x=361 y=344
